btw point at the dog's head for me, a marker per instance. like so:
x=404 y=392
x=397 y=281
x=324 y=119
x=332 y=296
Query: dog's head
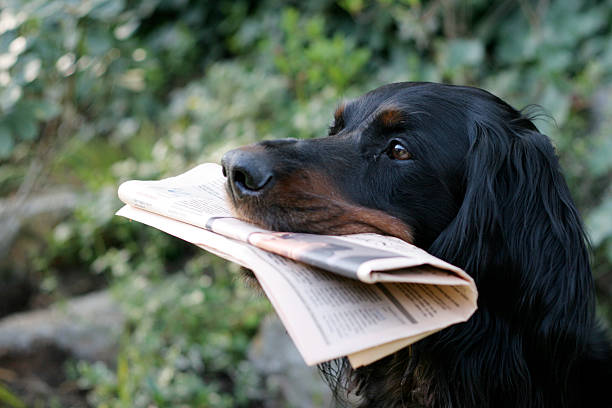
x=394 y=162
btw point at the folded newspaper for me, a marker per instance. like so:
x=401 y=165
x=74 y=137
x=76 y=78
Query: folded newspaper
x=362 y=296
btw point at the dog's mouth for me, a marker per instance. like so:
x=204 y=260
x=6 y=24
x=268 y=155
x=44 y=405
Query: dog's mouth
x=306 y=202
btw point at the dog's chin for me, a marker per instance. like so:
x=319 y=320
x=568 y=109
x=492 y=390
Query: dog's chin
x=247 y=276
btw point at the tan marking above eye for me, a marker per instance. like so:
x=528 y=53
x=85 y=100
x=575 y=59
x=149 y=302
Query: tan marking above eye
x=339 y=111
x=338 y=123
x=391 y=117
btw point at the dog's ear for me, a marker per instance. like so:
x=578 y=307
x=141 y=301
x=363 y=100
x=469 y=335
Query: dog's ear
x=518 y=219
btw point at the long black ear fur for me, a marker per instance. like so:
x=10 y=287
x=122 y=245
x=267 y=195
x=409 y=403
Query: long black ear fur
x=518 y=214
x=519 y=235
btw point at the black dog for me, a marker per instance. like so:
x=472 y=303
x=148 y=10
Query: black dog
x=457 y=171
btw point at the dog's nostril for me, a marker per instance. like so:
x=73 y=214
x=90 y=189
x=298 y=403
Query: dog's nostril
x=248 y=172
x=250 y=182
x=240 y=179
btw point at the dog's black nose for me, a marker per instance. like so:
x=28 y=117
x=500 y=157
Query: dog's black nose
x=248 y=172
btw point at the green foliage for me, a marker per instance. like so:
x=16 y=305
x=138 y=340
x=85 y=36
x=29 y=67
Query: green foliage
x=9 y=399
x=106 y=90
x=311 y=60
x=185 y=344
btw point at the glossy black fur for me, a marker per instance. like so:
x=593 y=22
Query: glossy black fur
x=483 y=191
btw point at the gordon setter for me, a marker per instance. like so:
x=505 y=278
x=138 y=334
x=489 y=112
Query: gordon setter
x=460 y=173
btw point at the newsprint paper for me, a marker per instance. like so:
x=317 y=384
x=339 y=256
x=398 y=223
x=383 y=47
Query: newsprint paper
x=363 y=296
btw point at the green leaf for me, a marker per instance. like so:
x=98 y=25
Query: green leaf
x=10 y=399
x=45 y=110
x=600 y=163
x=599 y=222
x=98 y=41
x=23 y=124
x=107 y=10
x=6 y=141
x=608 y=251
x=459 y=53
x=466 y=52
x=557 y=102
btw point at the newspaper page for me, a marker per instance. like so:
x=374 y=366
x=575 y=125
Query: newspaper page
x=198 y=197
x=328 y=315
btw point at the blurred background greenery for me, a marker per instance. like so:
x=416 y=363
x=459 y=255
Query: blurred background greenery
x=94 y=92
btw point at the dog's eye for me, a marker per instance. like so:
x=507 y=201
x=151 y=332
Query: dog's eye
x=398 y=151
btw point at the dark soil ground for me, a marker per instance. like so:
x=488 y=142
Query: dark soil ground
x=38 y=379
